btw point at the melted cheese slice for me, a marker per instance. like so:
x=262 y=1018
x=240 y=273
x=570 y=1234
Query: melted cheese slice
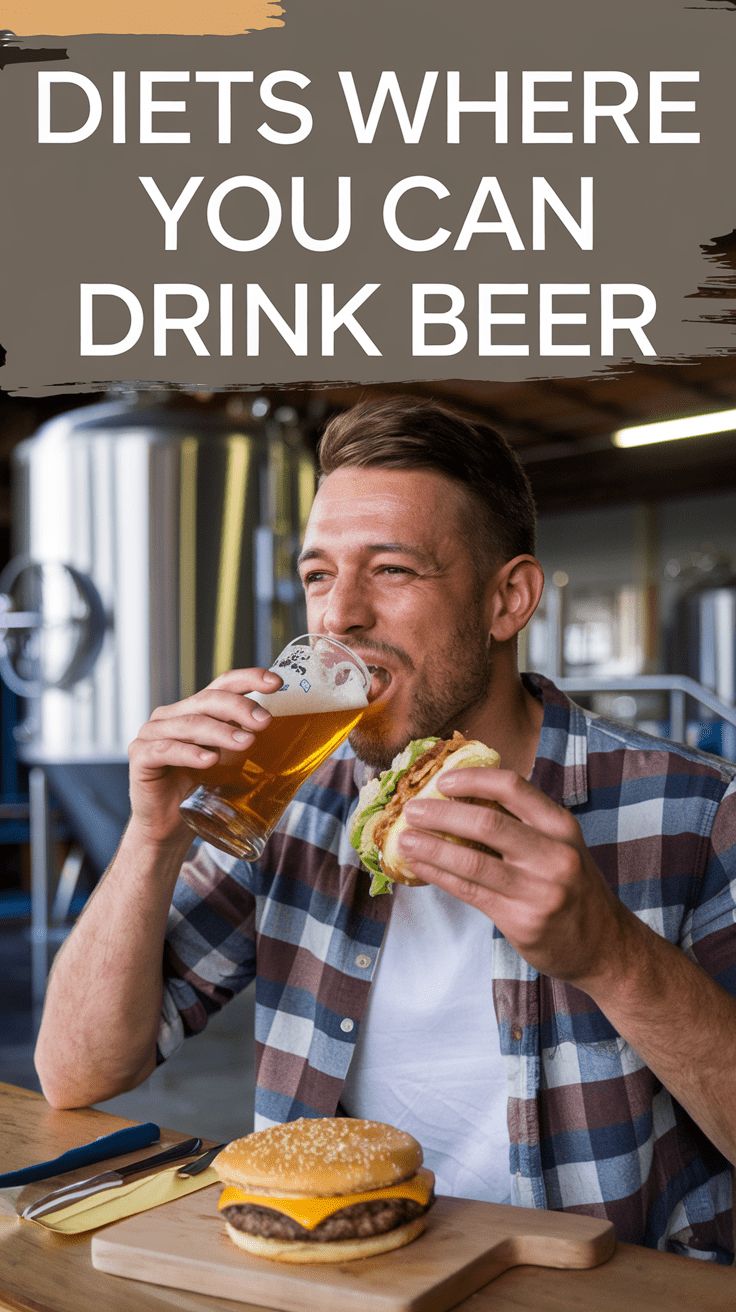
x=309 y=1212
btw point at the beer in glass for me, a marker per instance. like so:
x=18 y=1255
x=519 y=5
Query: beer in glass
x=323 y=696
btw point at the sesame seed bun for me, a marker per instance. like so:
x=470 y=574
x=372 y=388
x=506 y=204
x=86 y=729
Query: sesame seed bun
x=319 y=1157
x=340 y=1250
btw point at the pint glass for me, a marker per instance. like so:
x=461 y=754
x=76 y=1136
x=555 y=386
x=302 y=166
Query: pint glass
x=324 y=694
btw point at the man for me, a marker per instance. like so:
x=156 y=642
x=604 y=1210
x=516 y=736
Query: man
x=555 y=1021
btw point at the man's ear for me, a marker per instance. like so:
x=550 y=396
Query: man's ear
x=513 y=596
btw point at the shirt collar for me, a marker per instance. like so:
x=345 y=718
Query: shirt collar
x=561 y=765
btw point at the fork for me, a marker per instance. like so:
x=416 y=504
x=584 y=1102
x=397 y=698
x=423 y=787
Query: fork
x=201 y=1163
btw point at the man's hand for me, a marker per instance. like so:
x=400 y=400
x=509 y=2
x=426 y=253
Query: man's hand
x=539 y=883
x=182 y=740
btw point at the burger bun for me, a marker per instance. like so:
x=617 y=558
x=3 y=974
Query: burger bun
x=319 y=1157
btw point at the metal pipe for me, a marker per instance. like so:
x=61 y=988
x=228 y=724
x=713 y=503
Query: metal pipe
x=654 y=683
x=678 y=718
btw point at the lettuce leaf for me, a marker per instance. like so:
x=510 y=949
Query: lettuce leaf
x=381 y=883
x=377 y=792
x=373 y=797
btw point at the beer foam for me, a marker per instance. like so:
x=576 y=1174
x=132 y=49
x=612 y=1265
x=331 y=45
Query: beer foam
x=315 y=692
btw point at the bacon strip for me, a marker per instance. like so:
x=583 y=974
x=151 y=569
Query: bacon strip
x=424 y=768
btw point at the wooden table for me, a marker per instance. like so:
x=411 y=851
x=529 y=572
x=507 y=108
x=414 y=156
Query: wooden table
x=43 y=1272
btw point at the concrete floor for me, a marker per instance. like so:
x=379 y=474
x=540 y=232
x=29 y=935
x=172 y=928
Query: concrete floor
x=206 y=1088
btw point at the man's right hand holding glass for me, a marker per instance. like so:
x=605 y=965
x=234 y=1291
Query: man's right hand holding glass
x=181 y=740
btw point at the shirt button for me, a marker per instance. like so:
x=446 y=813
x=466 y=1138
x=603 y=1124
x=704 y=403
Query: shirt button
x=362 y=960
x=516 y=1033
x=347 y=1025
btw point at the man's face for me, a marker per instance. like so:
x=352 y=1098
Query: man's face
x=387 y=568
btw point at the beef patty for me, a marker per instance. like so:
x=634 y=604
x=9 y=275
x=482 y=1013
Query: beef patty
x=359 y=1221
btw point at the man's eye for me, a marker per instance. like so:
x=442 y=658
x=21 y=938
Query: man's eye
x=395 y=569
x=314 y=576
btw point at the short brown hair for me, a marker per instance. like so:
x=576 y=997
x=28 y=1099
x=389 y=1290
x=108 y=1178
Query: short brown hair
x=413 y=433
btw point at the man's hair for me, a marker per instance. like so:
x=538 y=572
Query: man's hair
x=412 y=433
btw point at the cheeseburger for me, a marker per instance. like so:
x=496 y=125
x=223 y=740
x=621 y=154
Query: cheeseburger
x=416 y=772
x=324 y=1190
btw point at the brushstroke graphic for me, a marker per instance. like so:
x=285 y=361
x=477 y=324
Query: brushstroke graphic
x=139 y=18
x=721 y=251
x=12 y=52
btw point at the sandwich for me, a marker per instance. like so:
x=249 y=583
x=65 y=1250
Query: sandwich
x=328 y=1189
x=416 y=772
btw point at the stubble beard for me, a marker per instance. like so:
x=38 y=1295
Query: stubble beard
x=462 y=680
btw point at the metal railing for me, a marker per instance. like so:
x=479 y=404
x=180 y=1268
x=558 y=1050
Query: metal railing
x=678 y=687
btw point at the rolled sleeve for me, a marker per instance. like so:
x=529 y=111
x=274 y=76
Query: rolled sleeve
x=209 y=949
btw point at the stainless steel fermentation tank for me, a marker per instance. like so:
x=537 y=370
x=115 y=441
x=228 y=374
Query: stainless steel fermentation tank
x=155 y=546
x=155 y=550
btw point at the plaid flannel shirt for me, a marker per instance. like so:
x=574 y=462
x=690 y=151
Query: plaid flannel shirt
x=591 y=1128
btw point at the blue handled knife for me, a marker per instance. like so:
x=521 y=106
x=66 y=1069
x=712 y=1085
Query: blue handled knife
x=107 y=1145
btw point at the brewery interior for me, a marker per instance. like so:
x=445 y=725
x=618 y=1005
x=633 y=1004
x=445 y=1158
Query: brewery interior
x=147 y=542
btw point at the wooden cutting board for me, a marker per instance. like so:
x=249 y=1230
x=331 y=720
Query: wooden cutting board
x=466 y=1244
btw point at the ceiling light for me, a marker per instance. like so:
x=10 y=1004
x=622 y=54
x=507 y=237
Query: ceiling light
x=671 y=430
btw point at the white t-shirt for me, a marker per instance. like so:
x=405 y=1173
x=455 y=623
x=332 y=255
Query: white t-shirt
x=427 y=1057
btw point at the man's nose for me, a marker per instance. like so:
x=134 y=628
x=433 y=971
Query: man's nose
x=348 y=608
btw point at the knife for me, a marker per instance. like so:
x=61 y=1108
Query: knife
x=128 y=1140
x=72 y=1193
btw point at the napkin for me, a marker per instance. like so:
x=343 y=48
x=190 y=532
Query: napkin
x=125 y=1200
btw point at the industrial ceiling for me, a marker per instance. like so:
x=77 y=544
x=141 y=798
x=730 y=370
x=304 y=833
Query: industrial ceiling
x=561 y=429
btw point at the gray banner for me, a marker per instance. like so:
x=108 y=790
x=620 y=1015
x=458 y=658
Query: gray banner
x=498 y=233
